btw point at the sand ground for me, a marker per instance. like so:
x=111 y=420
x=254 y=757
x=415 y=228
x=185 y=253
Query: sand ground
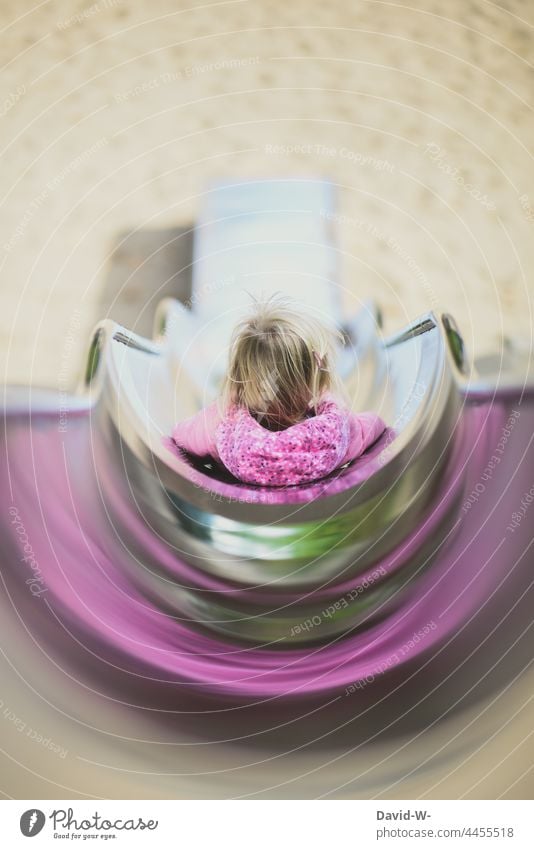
x=116 y=116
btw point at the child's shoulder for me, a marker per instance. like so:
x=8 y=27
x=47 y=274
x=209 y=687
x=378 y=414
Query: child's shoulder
x=330 y=402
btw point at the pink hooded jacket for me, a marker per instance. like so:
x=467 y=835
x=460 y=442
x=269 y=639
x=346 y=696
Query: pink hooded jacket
x=301 y=453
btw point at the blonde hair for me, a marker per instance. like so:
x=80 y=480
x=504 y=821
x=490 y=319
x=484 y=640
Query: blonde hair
x=280 y=362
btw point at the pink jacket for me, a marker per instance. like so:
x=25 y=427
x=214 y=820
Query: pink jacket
x=301 y=453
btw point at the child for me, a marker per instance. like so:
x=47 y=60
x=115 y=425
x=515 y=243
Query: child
x=277 y=421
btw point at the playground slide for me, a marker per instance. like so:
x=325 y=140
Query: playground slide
x=156 y=584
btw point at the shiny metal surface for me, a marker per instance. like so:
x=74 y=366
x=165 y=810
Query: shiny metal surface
x=181 y=634
x=134 y=626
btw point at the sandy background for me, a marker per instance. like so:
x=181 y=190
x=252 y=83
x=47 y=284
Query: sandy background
x=116 y=115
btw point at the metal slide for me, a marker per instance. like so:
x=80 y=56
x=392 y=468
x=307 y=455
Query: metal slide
x=188 y=634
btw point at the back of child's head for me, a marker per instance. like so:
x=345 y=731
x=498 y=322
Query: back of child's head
x=281 y=362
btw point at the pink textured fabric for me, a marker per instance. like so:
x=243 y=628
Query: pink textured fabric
x=197 y=434
x=301 y=453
